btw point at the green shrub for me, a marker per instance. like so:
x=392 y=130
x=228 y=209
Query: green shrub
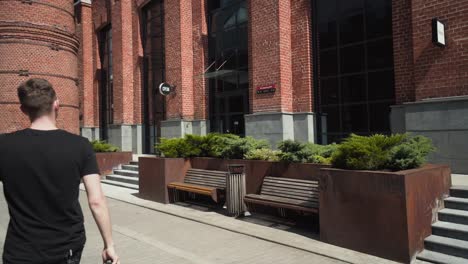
x=410 y=154
x=366 y=153
x=175 y=148
x=213 y=145
x=102 y=146
x=314 y=153
x=263 y=154
x=294 y=151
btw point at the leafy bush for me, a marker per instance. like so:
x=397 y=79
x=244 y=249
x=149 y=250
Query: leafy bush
x=294 y=151
x=366 y=153
x=102 y=146
x=213 y=145
x=263 y=154
x=175 y=148
x=410 y=154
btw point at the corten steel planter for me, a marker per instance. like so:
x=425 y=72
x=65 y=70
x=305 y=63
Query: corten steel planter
x=257 y=170
x=108 y=161
x=387 y=214
x=156 y=173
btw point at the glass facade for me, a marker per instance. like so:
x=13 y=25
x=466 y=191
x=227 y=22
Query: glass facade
x=228 y=76
x=354 y=61
x=153 y=72
x=106 y=82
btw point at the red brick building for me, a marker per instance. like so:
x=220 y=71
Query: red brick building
x=311 y=70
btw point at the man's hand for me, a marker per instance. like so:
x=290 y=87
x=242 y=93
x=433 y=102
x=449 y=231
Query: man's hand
x=109 y=254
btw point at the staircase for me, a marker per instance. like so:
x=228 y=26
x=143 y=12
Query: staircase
x=127 y=176
x=448 y=243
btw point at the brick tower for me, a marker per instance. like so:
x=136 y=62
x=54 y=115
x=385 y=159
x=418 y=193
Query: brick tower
x=37 y=39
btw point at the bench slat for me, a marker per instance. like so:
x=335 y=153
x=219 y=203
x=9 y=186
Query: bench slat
x=301 y=198
x=223 y=179
x=221 y=186
x=206 y=178
x=207 y=172
x=290 y=190
x=299 y=185
x=285 y=201
x=291 y=180
x=293 y=187
x=286 y=193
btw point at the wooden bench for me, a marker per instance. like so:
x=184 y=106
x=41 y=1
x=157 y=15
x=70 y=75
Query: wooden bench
x=204 y=182
x=287 y=193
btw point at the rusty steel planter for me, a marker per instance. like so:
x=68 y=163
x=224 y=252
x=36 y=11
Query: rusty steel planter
x=387 y=214
x=108 y=161
x=156 y=173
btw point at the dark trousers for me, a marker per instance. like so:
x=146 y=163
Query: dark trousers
x=74 y=258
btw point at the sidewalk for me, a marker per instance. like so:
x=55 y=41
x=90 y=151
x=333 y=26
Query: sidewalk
x=309 y=248
x=147 y=236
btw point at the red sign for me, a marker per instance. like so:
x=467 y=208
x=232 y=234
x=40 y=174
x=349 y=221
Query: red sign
x=266 y=89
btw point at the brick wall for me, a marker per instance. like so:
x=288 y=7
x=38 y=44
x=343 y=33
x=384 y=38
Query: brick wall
x=179 y=58
x=423 y=70
x=39 y=38
x=301 y=34
x=270 y=52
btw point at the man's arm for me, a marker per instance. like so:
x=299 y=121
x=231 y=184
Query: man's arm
x=98 y=205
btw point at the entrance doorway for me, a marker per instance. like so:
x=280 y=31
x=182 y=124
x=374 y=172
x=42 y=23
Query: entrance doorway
x=106 y=94
x=153 y=73
x=228 y=76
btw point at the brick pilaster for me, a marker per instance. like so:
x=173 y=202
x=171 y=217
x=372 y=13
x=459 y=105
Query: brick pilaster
x=270 y=52
x=179 y=58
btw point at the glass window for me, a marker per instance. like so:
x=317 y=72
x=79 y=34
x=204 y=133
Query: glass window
x=228 y=50
x=355 y=65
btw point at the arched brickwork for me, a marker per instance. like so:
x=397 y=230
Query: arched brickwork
x=37 y=39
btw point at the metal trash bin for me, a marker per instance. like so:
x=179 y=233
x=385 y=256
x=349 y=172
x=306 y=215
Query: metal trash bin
x=235 y=190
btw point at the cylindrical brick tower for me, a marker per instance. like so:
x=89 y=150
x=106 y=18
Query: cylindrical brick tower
x=37 y=40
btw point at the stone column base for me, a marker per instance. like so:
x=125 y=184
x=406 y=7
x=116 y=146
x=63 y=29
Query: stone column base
x=127 y=137
x=445 y=121
x=91 y=133
x=179 y=128
x=276 y=127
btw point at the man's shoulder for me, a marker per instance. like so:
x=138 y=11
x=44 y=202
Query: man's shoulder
x=75 y=137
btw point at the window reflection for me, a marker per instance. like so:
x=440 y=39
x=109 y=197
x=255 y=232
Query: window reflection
x=355 y=65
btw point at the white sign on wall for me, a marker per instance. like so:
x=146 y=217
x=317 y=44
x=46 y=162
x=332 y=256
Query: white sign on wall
x=438 y=32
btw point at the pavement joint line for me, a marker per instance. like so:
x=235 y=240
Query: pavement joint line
x=180 y=215
x=160 y=245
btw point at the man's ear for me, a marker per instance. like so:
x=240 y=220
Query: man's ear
x=56 y=104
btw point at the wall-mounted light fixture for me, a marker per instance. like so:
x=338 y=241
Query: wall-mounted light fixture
x=438 y=32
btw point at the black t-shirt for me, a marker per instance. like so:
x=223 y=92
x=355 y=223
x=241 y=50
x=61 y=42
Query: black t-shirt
x=41 y=173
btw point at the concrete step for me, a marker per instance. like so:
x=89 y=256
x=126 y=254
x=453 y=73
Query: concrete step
x=134 y=162
x=120 y=178
x=439 y=258
x=121 y=184
x=130 y=167
x=459 y=191
x=445 y=245
x=456 y=203
x=129 y=173
x=454 y=216
x=450 y=230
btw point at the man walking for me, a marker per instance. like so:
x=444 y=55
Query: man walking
x=41 y=168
